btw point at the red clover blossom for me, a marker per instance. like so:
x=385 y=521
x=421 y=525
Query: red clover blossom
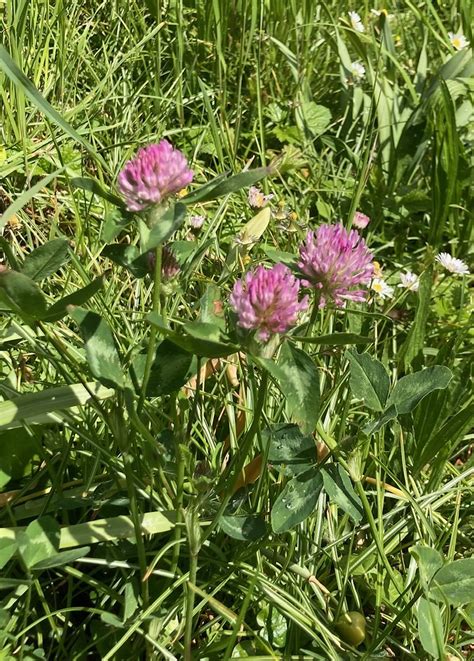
x=156 y=172
x=266 y=300
x=334 y=261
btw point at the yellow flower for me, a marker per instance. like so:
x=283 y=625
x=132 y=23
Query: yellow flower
x=378 y=272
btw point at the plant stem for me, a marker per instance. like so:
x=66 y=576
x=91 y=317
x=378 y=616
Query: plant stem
x=190 y=595
x=156 y=307
x=180 y=470
x=240 y=457
x=314 y=313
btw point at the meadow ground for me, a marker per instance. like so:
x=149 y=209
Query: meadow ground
x=221 y=436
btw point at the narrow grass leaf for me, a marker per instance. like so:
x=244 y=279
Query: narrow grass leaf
x=413 y=344
x=225 y=186
x=336 y=339
x=79 y=297
x=33 y=408
x=93 y=186
x=446 y=437
x=18 y=77
x=29 y=194
x=63 y=558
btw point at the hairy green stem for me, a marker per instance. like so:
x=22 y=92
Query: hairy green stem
x=190 y=596
x=156 y=307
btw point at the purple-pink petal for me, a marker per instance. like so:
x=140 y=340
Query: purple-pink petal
x=266 y=300
x=155 y=173
x=334 y=261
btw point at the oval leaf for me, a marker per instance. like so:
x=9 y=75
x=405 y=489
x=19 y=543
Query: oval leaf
x=167 y=224
x=430 y=628
x=410 y=390
x=46 y=260
x=369 y=380
x=297 y=500
x=291 y=449
x=245 y=528
x=338 y=487
x=171 y=369
x=454 y=582
x=102 y=356
x=39 y=541
x=22 y=294
x=298 y=380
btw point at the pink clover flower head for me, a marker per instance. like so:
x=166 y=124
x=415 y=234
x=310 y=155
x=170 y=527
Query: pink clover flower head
x=266 y=300
x=335 y=261
x=360 y=220
x=169 y=264
x=155 y=173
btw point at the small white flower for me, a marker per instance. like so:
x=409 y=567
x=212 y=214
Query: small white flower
x=357 y=70
x=257 y=199
x=196 y=222
x=360 y=220
x=452 y=264
x=409 y=280
x=379 y=12
x=458 y=40
x=380 y=287
x=356 y=22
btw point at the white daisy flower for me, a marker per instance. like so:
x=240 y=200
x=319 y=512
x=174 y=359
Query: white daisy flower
x=409 y=280
x=380 y=287
x=452 y=264
x=357 y=70
x=356 y=22
x=458 y=40
x=257 y=199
